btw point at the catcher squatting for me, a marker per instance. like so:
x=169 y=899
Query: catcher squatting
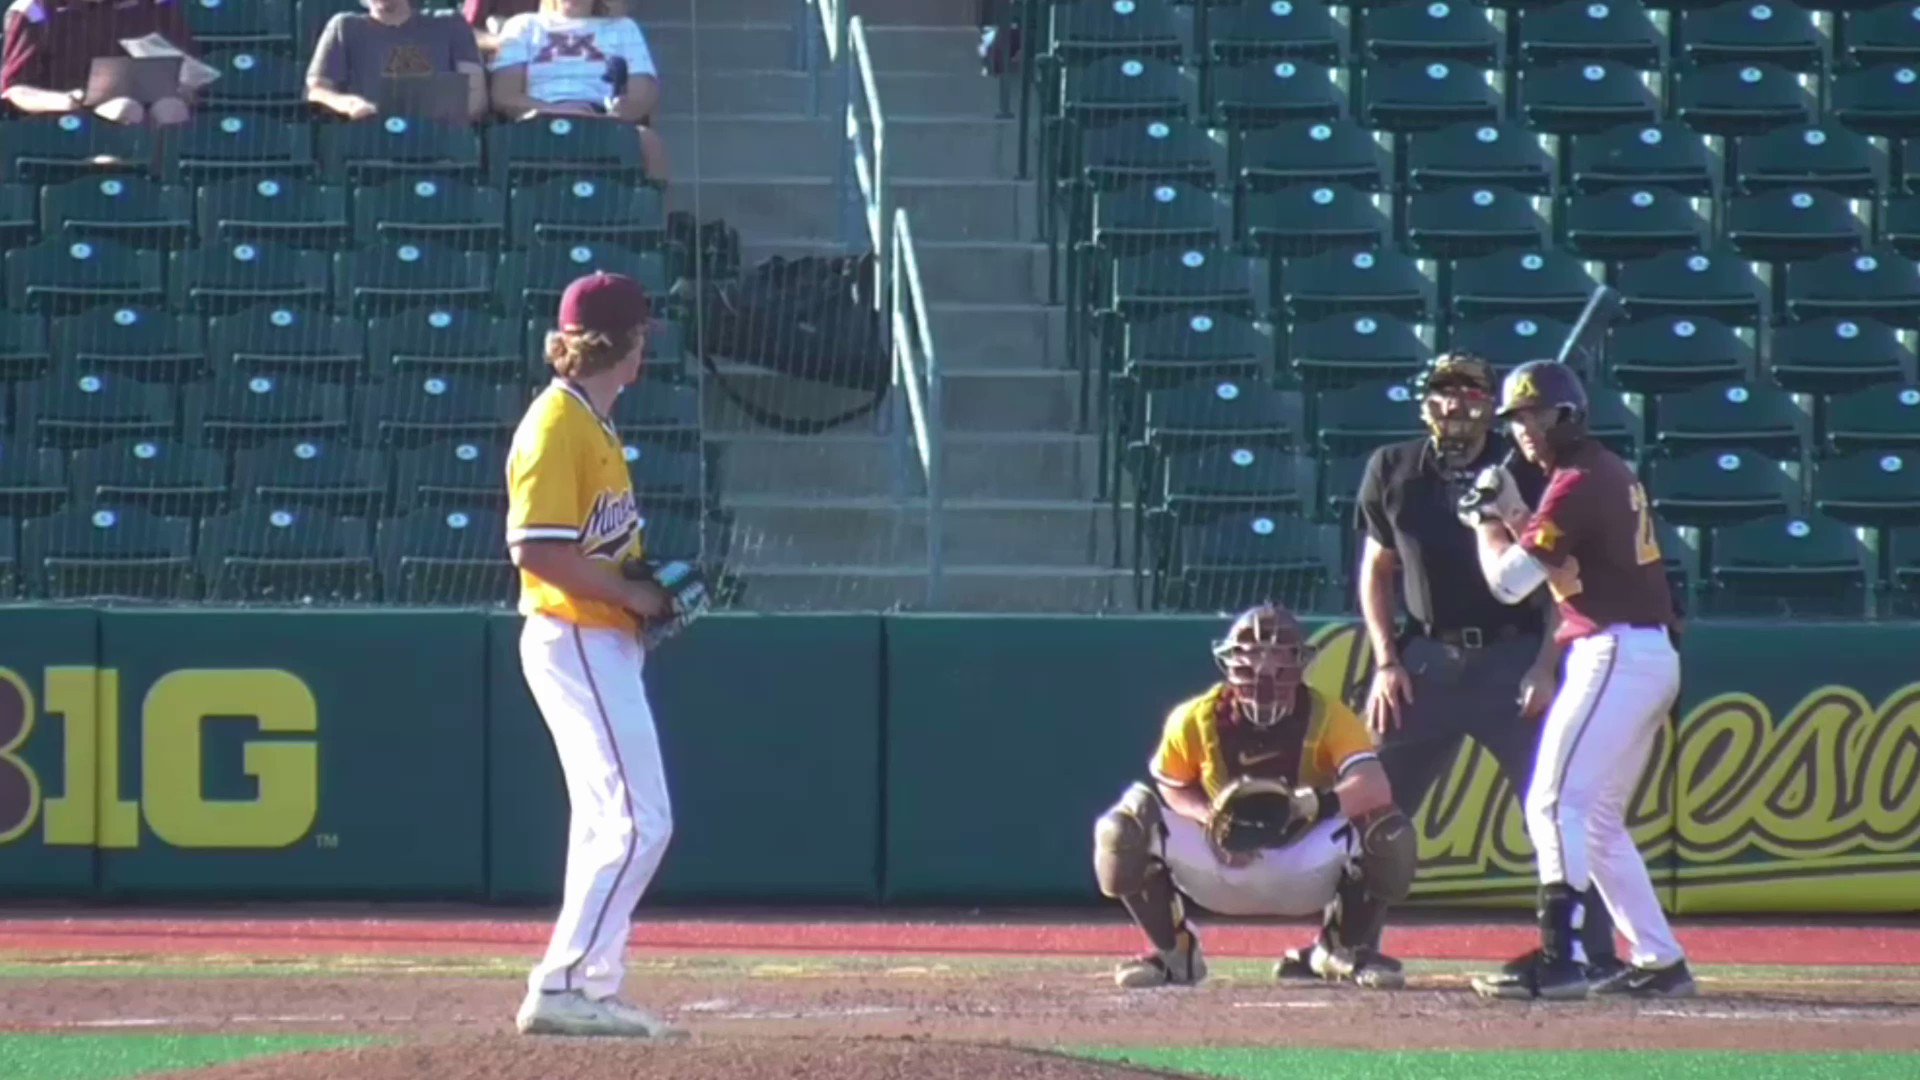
x=1268 y=799
x=594 y=608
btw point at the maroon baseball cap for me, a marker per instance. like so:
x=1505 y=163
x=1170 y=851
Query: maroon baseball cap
x=602 y=303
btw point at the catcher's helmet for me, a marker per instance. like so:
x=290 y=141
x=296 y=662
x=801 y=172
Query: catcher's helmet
x=1455 y=391
x=1264 y=658
x=1539 y=384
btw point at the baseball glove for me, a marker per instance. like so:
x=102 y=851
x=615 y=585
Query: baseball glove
x=1252 y=814
x=687 y=586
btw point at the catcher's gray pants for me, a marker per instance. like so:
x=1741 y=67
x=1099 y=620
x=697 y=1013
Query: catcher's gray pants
x=1459 y=692
x=1298 y=879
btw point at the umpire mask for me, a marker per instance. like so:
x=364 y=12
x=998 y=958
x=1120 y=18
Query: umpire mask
x=1264 y=658
x=1456 y=403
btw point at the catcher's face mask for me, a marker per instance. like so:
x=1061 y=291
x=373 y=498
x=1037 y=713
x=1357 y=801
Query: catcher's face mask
x=1264 y=657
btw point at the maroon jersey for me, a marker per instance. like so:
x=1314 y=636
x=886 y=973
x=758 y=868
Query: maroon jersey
x=50 y=44
x=1594 y=534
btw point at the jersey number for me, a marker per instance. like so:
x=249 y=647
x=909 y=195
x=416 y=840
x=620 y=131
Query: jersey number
x=1646 y=544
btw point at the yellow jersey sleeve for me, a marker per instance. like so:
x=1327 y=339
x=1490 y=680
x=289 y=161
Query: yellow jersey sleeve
x=1344 y=741
x=1180 y=759
x=544 y=492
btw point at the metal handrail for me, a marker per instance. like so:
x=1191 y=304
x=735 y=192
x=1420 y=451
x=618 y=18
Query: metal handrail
x=916 y=378
x=870 y=167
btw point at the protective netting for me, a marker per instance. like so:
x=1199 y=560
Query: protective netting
x=273 y=358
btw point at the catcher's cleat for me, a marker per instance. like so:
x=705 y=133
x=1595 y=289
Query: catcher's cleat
x=571 y=1012
x=1297 y=964
x=1365 y=967
x=1542 y=980
x=1672 y=981
x=1182 y=965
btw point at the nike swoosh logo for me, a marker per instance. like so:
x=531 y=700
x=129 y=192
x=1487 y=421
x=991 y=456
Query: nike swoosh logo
x=1255 y=759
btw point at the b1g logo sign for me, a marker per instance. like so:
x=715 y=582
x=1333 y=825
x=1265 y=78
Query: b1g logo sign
x=282 y=767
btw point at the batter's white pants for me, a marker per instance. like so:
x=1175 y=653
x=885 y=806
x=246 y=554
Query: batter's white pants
x=588 y=685
x=1298 y=879
x=1620 y=685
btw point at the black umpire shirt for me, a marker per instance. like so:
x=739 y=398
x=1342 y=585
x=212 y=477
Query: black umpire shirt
x=1408 y=500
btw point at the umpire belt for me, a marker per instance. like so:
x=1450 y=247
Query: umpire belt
x=1471 y=637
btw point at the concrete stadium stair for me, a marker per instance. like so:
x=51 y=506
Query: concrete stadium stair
x=837 y=520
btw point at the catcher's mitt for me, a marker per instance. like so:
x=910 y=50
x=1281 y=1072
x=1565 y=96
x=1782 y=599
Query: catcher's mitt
x=684 y=582
x=1252 y=814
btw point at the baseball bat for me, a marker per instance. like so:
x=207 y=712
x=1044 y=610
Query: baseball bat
x=1589 y=331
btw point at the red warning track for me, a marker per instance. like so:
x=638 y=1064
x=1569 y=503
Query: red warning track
x=520 y=936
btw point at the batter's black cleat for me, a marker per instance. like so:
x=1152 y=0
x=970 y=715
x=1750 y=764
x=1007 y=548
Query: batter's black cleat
x=1672 y=981
x=1296 y=965
x=1541 y=980
x=1604 y=970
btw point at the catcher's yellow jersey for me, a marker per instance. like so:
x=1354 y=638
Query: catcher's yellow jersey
x=567 y=480
x=1206 y=742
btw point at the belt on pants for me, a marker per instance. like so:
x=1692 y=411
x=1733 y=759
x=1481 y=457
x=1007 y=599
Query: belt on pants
x=1469 y=637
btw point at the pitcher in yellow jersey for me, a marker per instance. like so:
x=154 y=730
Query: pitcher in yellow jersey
x=1152 y=850
x=571 y=523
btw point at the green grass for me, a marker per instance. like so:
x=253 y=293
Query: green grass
x=1294 y=1063
x=113 y=1057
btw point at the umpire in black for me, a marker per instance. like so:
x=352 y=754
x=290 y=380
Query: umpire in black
x=1461 y=663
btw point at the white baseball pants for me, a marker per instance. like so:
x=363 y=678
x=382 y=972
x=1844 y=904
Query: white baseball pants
x=1298 y=879
x=1619 y=686
x=588 y=685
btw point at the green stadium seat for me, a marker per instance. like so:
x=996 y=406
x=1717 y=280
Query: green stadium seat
x=1786 y=223
x=1470 y=222
x=136 y=342
x=1575 y=30
x=1878 y=101
x=1208 y=412
x=1900 y=224
x=1152 y=217
x=533 y=150
x=1203 y=483
x=33 y=480
x=1314 y=152
x=446 y=555
x=1455 y=31
x=161 y=475
x=1311 y=218
x=223 y=278
x=1267 y=92
x=591 y=211
x=394 y=277
x=75 y=407
x=1480 y=155
x=1878 y=488
x=1835 y=355
x=1743 y=98
x=1427 y=95
x=1261 y=30
x=1719 y=285
x=1339 y=486
x=1378 y=282
x=1787 y=566
x=131 y=210
x=1679 y=352
x=1586 y=97
x=1667 y=155
x=10 y=575
x=1344 y=350
x=233 y=410
x=432 y=210
x=1225 y=565
x=1132 y=153
x=109 y=551
x=660 y=412
x=1879 y=283
x=530 y=281
x=1173 y=348
x=257 y=81
x=665 y=473
x=1358 y=418
x=223 y=146
x=1886 y=33
x=452 y=472
x=224 y=24
x=1090 y=29
x=1732 y=415
x=1617 y=423
x=1903 y=570
x=1752 y=32
x=19 y=215
x=419 y=407
x=289 y=341
x=320 y=471
x=448 y=339
x=292 y=554
x=1721 y=487
x=49 y=150
x=25 y=349
x=1174 y=280
x=287 y=210
x=1635 y=223
x=374 y=151
x=60 y=276
x=1873 y=418
x=1507 y=341
x=1543 y=282
x=1821 y=156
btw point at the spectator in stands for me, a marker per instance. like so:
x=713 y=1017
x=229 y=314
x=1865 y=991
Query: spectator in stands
x=51 y=45
x=392 y=40
x=572 y=58
x=488 y=16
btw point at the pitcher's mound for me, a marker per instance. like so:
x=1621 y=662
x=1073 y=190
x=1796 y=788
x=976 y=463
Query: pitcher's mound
x=504 y=1057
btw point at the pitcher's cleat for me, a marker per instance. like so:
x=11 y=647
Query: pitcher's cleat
x=570 y=1012
x=1182 y=965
